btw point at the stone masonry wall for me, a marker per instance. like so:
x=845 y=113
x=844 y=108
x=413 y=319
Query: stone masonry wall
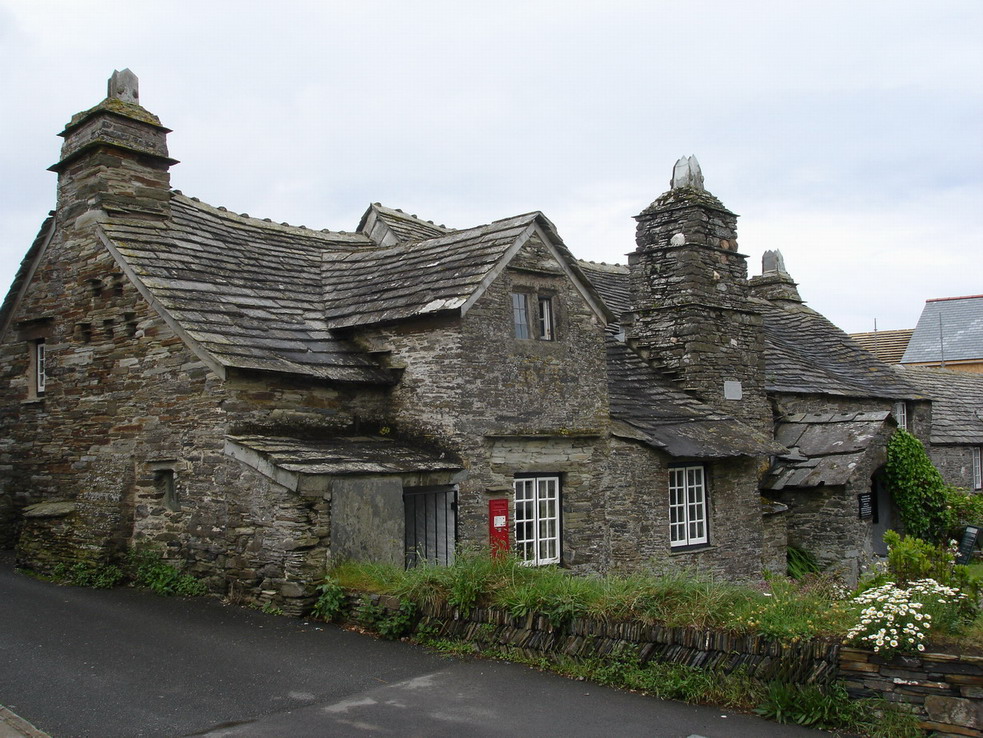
x=955 y=463
x=126 y=402
x=471 y=387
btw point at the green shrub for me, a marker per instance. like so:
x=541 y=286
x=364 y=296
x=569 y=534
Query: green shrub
x=800 y=562
x=917 y=488
x=80 y=574
x=911 y=559
x=331 y=600
x=148 y=569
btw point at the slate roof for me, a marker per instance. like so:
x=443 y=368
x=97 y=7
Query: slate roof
x=805 y=353
x=659 y=414
x=887 y=346
x=246 y=291
x=382 y=284
x=23 y=272
x=345 y=455
x=960 y=320
x=611 y=283
x=825 y=448
x=385 y=226
x=957 y=404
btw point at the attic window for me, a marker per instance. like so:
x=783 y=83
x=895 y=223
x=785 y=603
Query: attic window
x=528 y=324
x=977 y=470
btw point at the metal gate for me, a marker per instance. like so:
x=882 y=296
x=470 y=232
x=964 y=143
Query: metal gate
x=431 y=525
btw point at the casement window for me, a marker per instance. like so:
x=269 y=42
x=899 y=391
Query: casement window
x=38 y=372
x=533 y=316
x=520 y=314
x=687 y=506
x=901 y=415
x=977 y=469
x=537 y=519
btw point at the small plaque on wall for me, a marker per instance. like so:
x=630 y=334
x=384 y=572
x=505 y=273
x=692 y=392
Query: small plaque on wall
x=865 y=502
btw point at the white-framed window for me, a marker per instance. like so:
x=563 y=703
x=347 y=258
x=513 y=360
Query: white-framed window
x=39 y=376
x=977 y=469
x=687 y=506
x=520 y=314
x=901 y=414
x=545 y=318
x=528 y=324
x=537 y=519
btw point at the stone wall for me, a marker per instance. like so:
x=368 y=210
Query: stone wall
x=944 y=690
x=955 y=464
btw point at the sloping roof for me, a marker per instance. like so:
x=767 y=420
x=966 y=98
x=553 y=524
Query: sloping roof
x=611 y=283
x=960 y=322
x=664 y=417
x=805 y=353
x=887 y=346
x=24 y=272
x=385 y=226
x=244 y=290
x=405 y=280
x=825 y=448
x=345 y=455
x=957 y=403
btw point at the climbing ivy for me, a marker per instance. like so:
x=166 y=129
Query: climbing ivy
x=918 y=489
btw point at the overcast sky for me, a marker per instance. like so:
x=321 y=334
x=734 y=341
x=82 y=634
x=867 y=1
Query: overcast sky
x=849 y=135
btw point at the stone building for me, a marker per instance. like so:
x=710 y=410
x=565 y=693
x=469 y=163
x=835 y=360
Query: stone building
x=259 y=400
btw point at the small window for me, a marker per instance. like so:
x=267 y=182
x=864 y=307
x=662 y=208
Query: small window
x=977 y=470
x=166 y=488
x=545 y=319
x=520 y=314
x=687 y=506
x=39 y=370
x=537 y=520
x=901 y=415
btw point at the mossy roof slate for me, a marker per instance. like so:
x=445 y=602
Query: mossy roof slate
x=664 y=417
x=957 y=403
x=246 y=291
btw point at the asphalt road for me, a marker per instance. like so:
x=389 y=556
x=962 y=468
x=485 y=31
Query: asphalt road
x=78 y=662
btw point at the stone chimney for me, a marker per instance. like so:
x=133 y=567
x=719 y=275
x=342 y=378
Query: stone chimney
x=692 y=313
x=775 y=283
x=114 y=157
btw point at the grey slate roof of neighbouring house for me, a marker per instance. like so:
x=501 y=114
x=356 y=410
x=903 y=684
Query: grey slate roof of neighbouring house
x=957 y=403
x=958 y=321
x=664 y=417
x=826 y=448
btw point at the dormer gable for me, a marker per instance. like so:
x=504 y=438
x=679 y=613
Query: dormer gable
x=388 y=227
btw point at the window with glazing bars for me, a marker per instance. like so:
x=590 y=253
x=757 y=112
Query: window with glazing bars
x=687 y=506
x=537 y=519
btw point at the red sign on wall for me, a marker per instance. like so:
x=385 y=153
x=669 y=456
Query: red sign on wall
x=498 y=526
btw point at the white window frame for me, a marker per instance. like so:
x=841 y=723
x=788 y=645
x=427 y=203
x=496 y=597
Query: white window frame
x=977 y=469
x=901 y=414
x=39 y=375
x=688 y=506
x=537 y=519
x=520 y=315
x=545 y=318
